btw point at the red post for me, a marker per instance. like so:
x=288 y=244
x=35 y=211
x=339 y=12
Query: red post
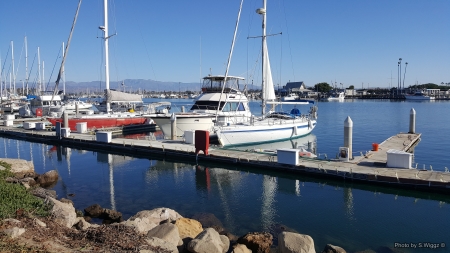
x=201 y=141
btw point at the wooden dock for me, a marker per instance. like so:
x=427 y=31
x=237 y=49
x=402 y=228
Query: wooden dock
x=369 y=168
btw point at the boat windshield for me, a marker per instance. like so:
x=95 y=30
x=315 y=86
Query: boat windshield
x=215 y=84
x=224 y=107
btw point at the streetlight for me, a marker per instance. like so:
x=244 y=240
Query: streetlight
x=406 y=64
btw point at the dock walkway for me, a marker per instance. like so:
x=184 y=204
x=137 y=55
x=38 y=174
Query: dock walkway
x=370 y=167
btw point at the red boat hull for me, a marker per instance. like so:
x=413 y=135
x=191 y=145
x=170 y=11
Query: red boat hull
x=96 y=123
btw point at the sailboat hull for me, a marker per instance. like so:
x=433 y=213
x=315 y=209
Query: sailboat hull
x=101 y=121
x=269 y=131
x=184 y=122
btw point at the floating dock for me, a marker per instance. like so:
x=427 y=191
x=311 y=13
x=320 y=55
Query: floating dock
x=370 y=167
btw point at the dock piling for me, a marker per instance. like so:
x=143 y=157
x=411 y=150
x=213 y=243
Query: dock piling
x=173 y=124
x=412 y=121
x=348 y=136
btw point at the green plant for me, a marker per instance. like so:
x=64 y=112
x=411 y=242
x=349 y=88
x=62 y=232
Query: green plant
x=15 y=200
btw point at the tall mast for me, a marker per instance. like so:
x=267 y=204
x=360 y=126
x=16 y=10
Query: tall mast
x=64 y=72
x=14 y=73
x=43 y=78
x=39 y=73
x=26 y=64
x=105 y=31
x=262 y=11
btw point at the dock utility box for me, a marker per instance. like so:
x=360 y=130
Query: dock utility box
x=40 y=126
x=399 y=159
x=65 y=132
x=189 y=136
x=29 y=125
x=81 y=127
x=287 y=156
x=103 y=136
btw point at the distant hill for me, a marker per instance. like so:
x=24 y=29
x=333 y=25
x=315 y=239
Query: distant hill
x=134 y=85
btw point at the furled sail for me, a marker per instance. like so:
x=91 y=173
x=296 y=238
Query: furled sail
x=113 y=96
x=269 y=90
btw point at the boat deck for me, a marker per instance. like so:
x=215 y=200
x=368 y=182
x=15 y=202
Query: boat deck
x=370 y=167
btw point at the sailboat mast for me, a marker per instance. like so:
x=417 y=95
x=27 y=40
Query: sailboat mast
x=105 y=30
x=39 y=72
x=263 y=91
x=64 y=72
x=14 y=73
x=26 y=64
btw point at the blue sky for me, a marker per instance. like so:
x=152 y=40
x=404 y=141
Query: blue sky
x=348 y=41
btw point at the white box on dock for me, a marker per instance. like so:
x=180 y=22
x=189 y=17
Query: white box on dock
x=287 y=156
x=103 y=136
x=9 y=117
x=29 y=125
x=65 y=132
x=82 y=127
x=399 y=159
x=40 y=125
x=8 y=122
x=189 y=136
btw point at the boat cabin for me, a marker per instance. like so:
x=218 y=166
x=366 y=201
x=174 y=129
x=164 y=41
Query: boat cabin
x=214 y=84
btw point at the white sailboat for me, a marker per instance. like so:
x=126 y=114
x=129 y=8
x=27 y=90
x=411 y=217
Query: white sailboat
x=272 y=126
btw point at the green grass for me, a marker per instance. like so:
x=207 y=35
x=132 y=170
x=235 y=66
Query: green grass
x=14 y=197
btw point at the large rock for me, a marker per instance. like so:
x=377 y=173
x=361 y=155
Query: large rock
x=333 y=249
x=161 y=244
x=48 y=178
x=188 y=227
x=145 y=220
x=240 y=248
x=14 y=232
x=111 y=215
x=94 y=210
x=63 y=213
x=295 y=243
x=167 y=231
x=43 y=193
x=19 y=166
x=257 y=242
x=209 y=241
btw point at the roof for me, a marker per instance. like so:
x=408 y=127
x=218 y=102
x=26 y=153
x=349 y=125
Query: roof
x=295 y=86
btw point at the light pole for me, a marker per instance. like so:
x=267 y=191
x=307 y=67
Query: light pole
x=406 y=64
x=400 y=69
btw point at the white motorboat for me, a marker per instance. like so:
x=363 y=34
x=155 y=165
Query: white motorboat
x=272 y=126
x=337 y=96
x=72 y=105
x=206 y=112
x=418 y=96
x=290 y=97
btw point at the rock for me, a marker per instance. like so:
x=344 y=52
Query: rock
x=67 y=201
x=111 y=215
x=162 y=244
x=188 y=227
x=48 y=178
x=333 y=249
x=19 y=167
x=14 y=232
x=209 y=220
x=29 y=180
x=64 y=214
x=87 y=218
x=289 y=242
x=145 y=220
x=40 y=223
x=257 y=242
x=11 y=220
x=94 y=211
x=209 y=241
x=167 y=231
x=81 y=224
x=43 y=193
x=240 y=248
x=230 y=236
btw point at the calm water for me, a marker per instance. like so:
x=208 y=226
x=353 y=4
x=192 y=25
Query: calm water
x=354 y=216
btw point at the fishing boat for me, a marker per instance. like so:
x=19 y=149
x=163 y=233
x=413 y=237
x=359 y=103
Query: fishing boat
x=336 y=96
x=418 y=96
x=220 y=103
x=271 y=126
x=109 y=118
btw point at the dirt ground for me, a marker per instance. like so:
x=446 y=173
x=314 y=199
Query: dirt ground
x=56 y=238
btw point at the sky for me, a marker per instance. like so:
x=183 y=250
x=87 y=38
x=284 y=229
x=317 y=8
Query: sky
x=348 y=42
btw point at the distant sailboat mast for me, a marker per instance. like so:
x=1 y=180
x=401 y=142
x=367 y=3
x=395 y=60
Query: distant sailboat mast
x=14 y=75
x=38 y=92
x=26 y=65
x=106 y=37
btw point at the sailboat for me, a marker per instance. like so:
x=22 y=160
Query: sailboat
x=271 y=126
x=110 y=118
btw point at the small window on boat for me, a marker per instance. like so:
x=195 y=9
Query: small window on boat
x=241 y=107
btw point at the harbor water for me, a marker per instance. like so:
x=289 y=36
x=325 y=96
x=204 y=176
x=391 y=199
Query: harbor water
x=352 y=215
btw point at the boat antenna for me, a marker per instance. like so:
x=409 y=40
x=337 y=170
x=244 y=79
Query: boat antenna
x=229 y=57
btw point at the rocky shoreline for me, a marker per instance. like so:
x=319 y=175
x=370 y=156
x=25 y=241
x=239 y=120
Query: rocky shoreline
x=157 y=230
